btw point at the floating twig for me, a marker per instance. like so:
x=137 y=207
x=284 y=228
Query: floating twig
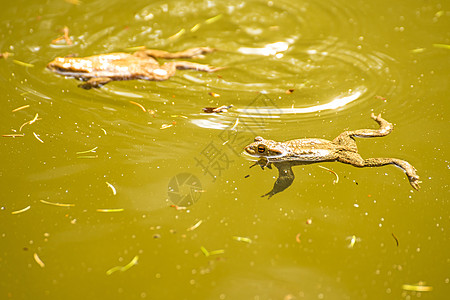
x=37 y=137
x=38 y=260
x=112 y=188
x=417 y=288
x=177 y=35
x=21 y=63
x=195 y=226
x=209 y=253
x=57 y=204
x=331 y=171
x=108 y=210
x=88 y=151
x=20 y=108
x=213 y=19
x=21 y=210
x=36 y=118
x=139 y=105
x=242 y=239
x=133 y=262
x=395 y=238
x=14 y=135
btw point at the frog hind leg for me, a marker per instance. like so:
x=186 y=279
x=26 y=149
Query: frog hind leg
x=284 y=180
x=356 y=160
x=95 y=82
x=347 y=138
x=188 y=53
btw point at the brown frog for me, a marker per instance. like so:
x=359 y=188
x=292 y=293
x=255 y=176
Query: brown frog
x=308 y=151
x=100 y=69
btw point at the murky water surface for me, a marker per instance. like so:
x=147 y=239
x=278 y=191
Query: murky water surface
x=89 y=186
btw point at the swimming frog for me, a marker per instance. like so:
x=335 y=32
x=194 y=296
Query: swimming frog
x=308 y=151
x=100 y=69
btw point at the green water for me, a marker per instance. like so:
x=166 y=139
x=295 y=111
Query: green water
x=316 y=240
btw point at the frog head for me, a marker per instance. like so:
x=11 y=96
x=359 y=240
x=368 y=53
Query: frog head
x=265 y=148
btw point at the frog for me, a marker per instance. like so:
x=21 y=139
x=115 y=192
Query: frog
x=285 y=155
x=98 y=70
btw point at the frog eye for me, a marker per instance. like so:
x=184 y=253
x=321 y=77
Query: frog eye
x=261 y=148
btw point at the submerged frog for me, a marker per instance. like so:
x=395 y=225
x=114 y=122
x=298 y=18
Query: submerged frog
x=100 y=69
x=308 y=151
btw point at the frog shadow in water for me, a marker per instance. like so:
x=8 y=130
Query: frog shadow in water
x=285 y=155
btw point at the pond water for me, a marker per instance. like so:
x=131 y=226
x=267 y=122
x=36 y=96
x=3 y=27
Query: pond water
x=131 y=191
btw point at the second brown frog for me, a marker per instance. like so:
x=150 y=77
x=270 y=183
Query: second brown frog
x=98 y=70
x=284 y=155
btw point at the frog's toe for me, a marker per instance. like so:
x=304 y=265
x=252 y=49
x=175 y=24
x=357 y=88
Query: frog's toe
x=377 y=118
x=414 y=181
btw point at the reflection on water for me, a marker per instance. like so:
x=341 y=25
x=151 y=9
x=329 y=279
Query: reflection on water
x=291 y=69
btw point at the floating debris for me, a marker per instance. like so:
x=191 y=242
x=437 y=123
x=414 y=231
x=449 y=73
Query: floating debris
x=5 y=55
x=88 y=151
x=112 y=188
x=395 y=238
x=21 y=63
x=195 y=226
x=178 y=207
x=289 y=91
x=37 y=137
x=36 y=118
x=297 y=238
x=215 y=95
x=20 y=108
x=165 y=126
x=139 y=105
x=57 y=204
x=247 y=176
x=109 y=210
x=209 y=253
x=353 y=239
x=417 y=288
x=21 y=210
x=223 y=108
x=133 y=262
x=308 y=221
x=242 y=239
x=38 y=260
x=64 y=37
x=331 y=171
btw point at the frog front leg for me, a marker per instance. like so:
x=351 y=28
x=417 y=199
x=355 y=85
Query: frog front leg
x=284 y=180
x=95 y=82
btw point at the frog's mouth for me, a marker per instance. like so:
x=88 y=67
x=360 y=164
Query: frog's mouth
x=256 y=157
